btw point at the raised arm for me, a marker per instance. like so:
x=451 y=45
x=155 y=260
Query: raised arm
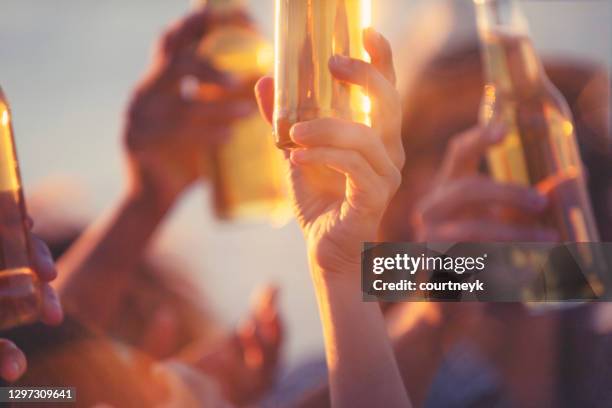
x=343 y=177
x=166 y=139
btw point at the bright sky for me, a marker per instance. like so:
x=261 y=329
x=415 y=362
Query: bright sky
x=67 y=67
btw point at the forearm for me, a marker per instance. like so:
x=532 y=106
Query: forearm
x=362 y=366
x=97 y=269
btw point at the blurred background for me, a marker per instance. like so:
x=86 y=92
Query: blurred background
x=67 y=67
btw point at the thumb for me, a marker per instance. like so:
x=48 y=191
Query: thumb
x=264 y=93
x=12 y=361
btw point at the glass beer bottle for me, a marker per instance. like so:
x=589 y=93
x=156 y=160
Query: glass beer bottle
x=19 y=287
x=540 y=147
x=248 y=172
x=308 y=34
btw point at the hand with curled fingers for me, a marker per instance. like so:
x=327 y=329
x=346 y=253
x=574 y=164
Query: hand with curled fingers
x=343 y=173
x=167 y=132
x=12 y=360
x=247 y=362
x=465 y=206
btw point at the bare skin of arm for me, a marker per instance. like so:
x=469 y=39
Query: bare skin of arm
x=422 y=333
x=343 y=176
x=166 y=139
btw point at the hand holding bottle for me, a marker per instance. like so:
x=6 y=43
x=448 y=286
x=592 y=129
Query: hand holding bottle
x=344 y=173
x=464 y=206
x=167 y=134
x=12 y=360
x=247 y=362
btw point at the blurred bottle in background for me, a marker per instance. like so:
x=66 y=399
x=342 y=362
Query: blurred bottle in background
x=248 y=173
x=308 y=34
x=19 y=287
x=540 y=148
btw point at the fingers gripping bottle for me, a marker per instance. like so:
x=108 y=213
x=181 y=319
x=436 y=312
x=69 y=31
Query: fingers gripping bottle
x=308 y=34
x=249 y=174
x=19 y=286
x=540 y=148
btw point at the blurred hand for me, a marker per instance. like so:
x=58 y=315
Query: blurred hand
x=168 y=133
x=343 y=173
x=247 y=363
x=12 y=360
x=464 y=206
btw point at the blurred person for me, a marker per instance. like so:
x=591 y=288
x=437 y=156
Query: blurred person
x=482 y=355
x=105 y=374
x=492 y=355
x=553 y=358
x=108 y=281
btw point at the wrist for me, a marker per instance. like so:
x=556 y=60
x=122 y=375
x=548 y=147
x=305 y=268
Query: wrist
x=344 y=278
x=157 y=180
x=337 y=261
x=151 y=197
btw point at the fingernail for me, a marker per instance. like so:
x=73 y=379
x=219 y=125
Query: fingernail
x=298 y=131
x=48 y=266
x=298 y=156
x=376 y=34
x=54 y=313
x=12 y=370
x=57 y=309
x=341 y=63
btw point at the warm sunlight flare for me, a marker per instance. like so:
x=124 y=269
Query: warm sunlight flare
x=5 y=118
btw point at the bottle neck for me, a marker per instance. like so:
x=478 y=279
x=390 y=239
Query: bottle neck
x=511 y=64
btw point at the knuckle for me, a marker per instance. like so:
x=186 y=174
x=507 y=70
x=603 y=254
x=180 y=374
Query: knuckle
x=395 y=179
x=399 y=156
x=353 y=161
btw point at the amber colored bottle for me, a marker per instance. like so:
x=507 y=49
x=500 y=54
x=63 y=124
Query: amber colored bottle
x=540 y=148
x=308 y=34
x=19 y=287
x=249 y=173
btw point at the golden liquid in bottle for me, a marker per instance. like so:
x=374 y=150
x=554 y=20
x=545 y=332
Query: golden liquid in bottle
x=308 y=34
x=540 y=147
x=249 y=173
x=19 y=288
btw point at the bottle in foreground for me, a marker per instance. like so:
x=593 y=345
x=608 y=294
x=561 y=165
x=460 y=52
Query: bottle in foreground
x=20 y=297
x=248 y=172
x=308 y=34
x=540 y=148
